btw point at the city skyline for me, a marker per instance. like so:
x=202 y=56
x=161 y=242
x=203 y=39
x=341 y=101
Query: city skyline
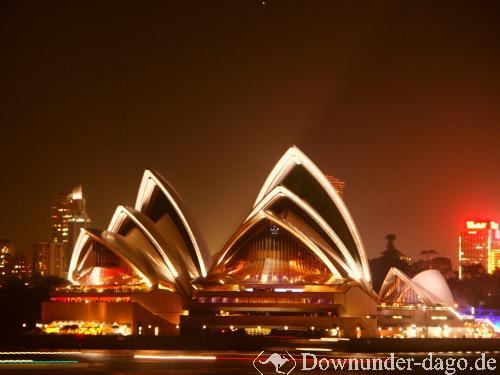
x=339 y=185
x=26 y=247
x=400 y=104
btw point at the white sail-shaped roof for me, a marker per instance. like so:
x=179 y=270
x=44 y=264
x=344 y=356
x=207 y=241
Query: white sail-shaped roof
x=280 y=199
x=159 y=201
x=303 y=226
x=141 y=231
x=300 y=175
x=428 y=287
x=157 y=239
x=435 y=285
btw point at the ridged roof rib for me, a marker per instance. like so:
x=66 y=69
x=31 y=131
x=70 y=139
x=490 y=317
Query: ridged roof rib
x=343 y=257
x=289 y=172
x=158 y=238
x=117 y=245
x=183 y=219
x=126 y=218
x=296 y=185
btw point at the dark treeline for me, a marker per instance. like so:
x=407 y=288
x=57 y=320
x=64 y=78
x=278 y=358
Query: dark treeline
x=20 y=301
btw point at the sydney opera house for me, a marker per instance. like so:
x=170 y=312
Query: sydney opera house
x=296 y=264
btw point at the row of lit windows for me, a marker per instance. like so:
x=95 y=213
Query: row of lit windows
x=90 y=299
x=240 y=300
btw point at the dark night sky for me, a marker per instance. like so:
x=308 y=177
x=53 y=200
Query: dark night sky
x=399 y=98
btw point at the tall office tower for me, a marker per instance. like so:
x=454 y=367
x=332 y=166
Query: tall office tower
x=338 y=184
x=69 y=216
x=479 y=244
x=6 y=255
x=48 y=259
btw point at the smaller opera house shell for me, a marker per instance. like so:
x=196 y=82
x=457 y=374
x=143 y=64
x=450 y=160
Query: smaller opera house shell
x=422 y=306
x=296 y=264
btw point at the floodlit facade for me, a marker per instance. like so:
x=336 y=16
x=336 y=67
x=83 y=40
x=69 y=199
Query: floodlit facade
x=68 y=217
x=479 y=244
x=296 y=265
x=154 y=245
x=138 y=272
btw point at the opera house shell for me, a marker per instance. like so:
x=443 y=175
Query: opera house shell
x=428 y=288
x=296 y=264
x=153 y=244
x=423 y=306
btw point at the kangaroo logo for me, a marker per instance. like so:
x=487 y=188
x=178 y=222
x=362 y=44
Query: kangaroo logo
x=277 y=360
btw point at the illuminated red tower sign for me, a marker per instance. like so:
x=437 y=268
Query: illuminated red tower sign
x=479 y=244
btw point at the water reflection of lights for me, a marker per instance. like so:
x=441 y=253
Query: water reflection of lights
x=177 y=357
x=40 y=353
x=331 y=339
x=33 y=361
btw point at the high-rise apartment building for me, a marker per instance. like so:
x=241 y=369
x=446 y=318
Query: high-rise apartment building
x=48 y=259
x=69 y=216
x=479 y=244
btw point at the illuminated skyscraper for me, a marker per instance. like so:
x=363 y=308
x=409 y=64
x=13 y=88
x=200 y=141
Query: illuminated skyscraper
x=69 y=216
x=338 y=185
x=479 y=244
x=6 y=254
x=48 y=259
